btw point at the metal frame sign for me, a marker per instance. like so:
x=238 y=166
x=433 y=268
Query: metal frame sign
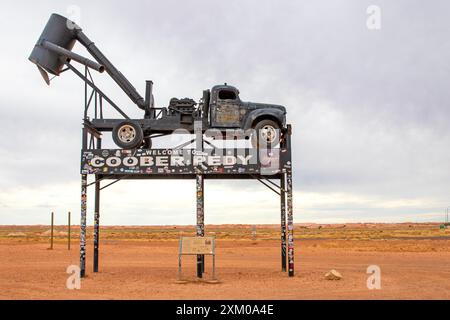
x=197 y=245
x=183 y=161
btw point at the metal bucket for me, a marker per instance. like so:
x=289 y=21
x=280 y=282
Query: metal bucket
x=60 y=31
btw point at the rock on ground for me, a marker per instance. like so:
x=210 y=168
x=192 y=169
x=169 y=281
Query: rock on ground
x=333 y=275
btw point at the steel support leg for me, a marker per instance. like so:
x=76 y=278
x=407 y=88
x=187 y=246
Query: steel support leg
x=96 y=223
x=283 y=220
x=83 y=225
x=200 y=221
x=290 y=222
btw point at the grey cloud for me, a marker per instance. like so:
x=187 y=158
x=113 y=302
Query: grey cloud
x=369 y=108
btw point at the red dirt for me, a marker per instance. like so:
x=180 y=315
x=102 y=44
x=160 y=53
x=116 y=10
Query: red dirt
x=410 y=269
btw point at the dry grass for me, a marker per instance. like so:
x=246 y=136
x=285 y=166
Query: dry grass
x=349 y=232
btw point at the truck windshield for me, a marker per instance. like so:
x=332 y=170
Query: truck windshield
x=227 y=95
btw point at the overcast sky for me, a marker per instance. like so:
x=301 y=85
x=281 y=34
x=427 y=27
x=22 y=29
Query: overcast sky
x=369 y=108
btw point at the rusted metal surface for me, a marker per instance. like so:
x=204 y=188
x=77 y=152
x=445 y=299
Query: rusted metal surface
x=228 y=114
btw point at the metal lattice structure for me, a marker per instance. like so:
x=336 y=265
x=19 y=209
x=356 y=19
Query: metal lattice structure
x=219 y=109
x=96 y=162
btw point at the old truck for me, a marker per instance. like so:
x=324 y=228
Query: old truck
x=220 y=108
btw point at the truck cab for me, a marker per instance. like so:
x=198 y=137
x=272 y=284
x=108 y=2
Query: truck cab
x=224 y=110
x=227 y=110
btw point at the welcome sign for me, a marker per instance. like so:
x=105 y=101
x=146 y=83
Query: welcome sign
x=182 y=161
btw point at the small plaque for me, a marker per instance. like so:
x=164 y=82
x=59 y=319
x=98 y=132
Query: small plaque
x=197 y=245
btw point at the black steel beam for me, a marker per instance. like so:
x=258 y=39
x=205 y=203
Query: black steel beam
x=163 y=176
x=272 y=183
x=88 y=125
x=72 y=56
x=100 y=179
x=93 y=86
x=260 y=180
x=115 y=74
x=110 y=184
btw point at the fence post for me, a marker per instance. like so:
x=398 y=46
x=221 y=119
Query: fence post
x=51 y=231
x=68 y=231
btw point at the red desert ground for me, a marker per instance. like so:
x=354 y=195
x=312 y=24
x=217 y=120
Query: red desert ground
x=142 y=263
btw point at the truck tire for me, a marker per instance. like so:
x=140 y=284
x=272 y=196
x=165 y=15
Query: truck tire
x=268 y=130
x=128 y=135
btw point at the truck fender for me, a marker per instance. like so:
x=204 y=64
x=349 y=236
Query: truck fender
x=263 y=113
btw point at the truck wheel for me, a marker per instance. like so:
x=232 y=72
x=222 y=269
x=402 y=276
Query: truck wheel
x=267 y=134
x=128 y=135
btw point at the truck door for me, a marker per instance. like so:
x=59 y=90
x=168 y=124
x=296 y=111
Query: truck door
x=226 y=109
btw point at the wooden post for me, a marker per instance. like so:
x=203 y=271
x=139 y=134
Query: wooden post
x=68 y=231
x=51 y=230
